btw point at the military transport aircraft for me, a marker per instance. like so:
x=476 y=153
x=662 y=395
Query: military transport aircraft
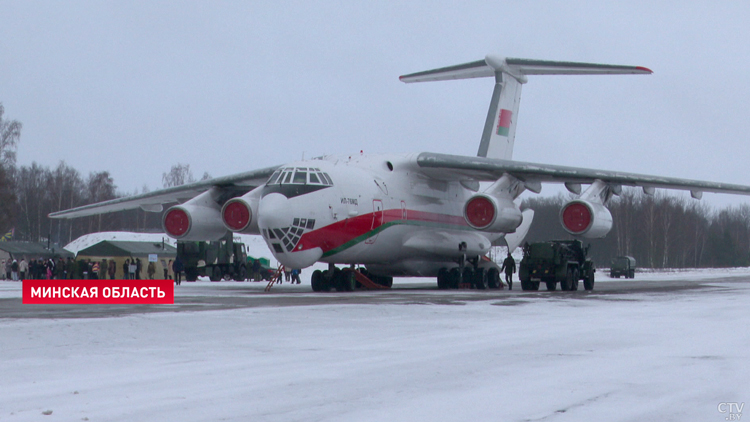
x=422 y=214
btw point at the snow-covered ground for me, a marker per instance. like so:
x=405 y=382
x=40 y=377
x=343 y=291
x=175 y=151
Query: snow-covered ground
x=671 y=356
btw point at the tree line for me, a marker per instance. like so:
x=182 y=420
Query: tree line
x=660 y=231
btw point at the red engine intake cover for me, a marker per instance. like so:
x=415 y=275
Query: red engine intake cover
x=176 y=222
x=236 y=215
x=576 y=217
x=480 y=212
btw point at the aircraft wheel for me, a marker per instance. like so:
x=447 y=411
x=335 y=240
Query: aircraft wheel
x=316 y=281
x=443 y=278
x=468 y=276
x=480 y=279
x=346 y=281
x=454 y=278
x=493 y=278
x=551 y=286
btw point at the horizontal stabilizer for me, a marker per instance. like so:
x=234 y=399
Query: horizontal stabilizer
x=520 y=68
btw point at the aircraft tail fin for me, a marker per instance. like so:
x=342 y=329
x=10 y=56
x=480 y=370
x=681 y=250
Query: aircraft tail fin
x=500 y=127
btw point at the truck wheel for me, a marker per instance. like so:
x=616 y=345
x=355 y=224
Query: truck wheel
x=215 y=274
x=567 y=281
x=534 y=285
x=191 y=274
x=243 y=274
x=588 y=281
x=551 y=286
x=574 y=282
x=316 y=280
x=493 y=278
x=632 y=274
x=527 y=285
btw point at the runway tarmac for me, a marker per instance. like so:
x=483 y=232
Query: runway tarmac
x=668 y=346
x=205 y=296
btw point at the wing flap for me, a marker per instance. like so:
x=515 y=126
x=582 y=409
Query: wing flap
x=443 y=166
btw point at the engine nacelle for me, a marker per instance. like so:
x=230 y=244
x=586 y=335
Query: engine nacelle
x=193 y=222
x=240 y=215
x=497 y=215
x=591 y=220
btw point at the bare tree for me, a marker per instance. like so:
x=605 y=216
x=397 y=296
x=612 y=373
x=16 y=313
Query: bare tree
x=178 y=175
x=10 y=133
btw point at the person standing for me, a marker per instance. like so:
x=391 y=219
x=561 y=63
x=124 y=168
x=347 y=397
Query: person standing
x=256 y=270
x=177 y=268
x=126 y=269
x=131 y=269
x=138 y=268
x=112 y=269
x=14 y=270
x=295 y=275
x=509 y=265
x=94 y=272
x=23 y=267
x=151 y=270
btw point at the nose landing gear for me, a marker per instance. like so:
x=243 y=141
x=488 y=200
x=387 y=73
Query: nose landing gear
x=347 y=280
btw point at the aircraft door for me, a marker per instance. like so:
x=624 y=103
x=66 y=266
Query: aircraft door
x=377 y=218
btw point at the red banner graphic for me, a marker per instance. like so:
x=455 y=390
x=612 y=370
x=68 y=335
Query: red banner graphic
x=98 y=292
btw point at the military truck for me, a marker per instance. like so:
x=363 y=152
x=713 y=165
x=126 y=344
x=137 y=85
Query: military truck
x=556 y=261
x=221 y=259
x=622 y=266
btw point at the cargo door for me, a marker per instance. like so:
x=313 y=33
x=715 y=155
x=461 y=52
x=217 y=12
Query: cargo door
x=377 y=219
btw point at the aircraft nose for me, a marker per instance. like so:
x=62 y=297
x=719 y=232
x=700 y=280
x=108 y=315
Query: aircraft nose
x=282 y=226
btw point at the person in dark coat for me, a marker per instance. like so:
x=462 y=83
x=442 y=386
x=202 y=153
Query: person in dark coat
x=111 y=269
x=125 y=269
x=509 y=265
x=256 y=270
x=138 y=268
x=177 y=268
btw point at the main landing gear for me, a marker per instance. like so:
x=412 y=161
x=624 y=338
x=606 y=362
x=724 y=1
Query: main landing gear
x=347 y=280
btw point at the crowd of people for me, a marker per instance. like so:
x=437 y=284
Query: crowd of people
x=85 y=269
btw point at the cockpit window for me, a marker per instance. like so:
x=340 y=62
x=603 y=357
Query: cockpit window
x=274 y=177
x=300 y=177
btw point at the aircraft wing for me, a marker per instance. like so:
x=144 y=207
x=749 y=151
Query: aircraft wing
x=233 y=185
x=443 y=166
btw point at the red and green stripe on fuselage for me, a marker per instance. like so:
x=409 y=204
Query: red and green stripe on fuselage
x=344 y=234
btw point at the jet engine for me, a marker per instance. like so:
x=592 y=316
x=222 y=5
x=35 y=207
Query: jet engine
x=240 y=214
x=197 y=219
x=487 y=213
x=591 y=220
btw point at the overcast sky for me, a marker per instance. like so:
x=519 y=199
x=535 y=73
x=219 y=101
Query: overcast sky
x=134 y=87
